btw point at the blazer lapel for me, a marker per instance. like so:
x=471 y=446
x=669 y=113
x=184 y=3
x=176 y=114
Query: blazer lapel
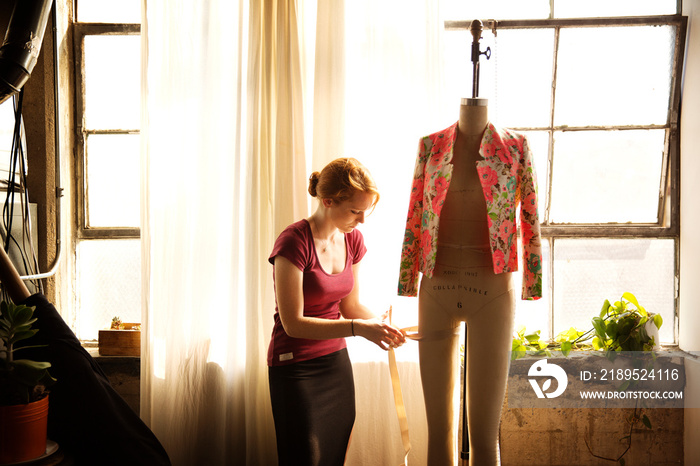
x=439 y=169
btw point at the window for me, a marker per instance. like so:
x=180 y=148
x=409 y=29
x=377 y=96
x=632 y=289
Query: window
x=594 y=85
x=107 y=75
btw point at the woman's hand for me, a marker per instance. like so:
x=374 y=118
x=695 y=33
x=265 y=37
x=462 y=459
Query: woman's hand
x=379 y=332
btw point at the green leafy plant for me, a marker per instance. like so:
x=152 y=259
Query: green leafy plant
x=116 y=323
x=21 y=380
x=620 y=326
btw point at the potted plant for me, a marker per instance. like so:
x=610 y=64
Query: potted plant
x=23 y=389
x=621 y=326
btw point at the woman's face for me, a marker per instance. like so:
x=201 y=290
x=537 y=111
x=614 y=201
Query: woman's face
x=346 y=215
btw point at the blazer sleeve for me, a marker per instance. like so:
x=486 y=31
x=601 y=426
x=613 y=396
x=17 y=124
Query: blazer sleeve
x=529 y=226
x=410 y=250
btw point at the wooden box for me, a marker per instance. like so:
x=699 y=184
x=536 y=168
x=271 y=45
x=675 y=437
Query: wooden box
x=119 y=342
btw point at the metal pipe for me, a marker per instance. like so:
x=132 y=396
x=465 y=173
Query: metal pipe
x=57 y=157
x=570 y=22
x=22 y=44
x=476 y=28
x=464 y=454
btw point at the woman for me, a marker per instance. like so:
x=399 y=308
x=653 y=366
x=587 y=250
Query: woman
x=316 y=263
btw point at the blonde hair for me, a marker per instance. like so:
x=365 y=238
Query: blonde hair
x=341 y=179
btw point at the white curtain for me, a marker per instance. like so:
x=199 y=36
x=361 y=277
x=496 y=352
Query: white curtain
x=223 y=171
x=241 y=99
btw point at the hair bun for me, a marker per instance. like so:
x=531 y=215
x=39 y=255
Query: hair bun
x=313 y=183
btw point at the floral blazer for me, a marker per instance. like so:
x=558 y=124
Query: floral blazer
x=507 y=178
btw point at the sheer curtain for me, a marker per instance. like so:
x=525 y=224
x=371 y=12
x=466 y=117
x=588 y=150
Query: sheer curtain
x=223 y=171
x=241 y=99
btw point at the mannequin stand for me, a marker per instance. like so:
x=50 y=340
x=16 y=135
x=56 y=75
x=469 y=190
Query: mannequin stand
x=464 y=454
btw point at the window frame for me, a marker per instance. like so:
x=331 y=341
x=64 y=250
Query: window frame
x=83 y=229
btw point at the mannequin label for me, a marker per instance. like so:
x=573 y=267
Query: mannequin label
x=466 y=273
x=459 y=287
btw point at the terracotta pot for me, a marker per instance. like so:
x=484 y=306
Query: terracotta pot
x=23 y=431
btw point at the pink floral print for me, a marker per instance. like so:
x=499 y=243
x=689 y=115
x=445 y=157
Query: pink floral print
x=508 y=181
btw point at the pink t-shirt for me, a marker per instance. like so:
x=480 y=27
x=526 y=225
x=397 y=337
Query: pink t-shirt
x=322 y=292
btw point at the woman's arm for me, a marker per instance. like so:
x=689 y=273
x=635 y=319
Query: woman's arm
x=366 y=323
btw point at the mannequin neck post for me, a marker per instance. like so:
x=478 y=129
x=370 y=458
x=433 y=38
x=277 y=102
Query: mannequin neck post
x=473 y=116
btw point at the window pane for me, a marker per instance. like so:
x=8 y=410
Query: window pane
x=523 y=79
x=589 y=271
x=108 y=282
x=599 y=83
x=112 y=82
x=460 y=10
x=113 y=196
x=606 y=176
x=601 y=8
x=100 y=11
x=534 y=315
x=458 y=68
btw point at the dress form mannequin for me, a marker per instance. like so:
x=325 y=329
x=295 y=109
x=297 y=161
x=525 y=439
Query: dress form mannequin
x=465 y=288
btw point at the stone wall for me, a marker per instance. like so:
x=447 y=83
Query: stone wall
x=562 y=436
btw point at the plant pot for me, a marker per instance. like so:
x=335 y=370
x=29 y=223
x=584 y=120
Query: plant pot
x=23 y=431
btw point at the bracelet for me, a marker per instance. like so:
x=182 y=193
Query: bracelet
x=352 y=326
